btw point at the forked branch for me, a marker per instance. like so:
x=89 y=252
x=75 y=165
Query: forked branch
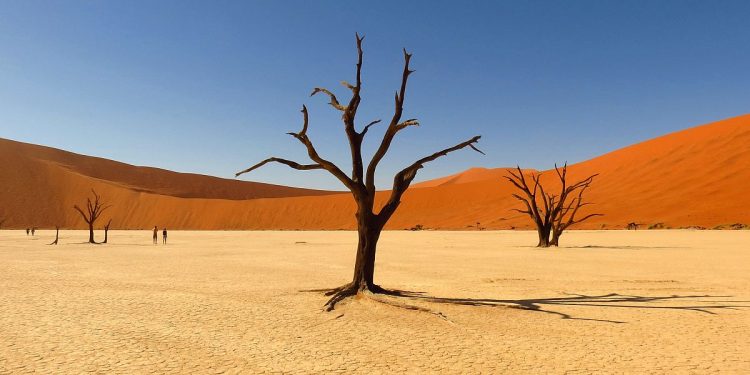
x=334 y=102
x=320 y=163
x=367 y=127
x=409 y=172
x=564 y=221
x=94 y=209
x=555 y=212
x=369 y=224
x=404 y=178
x=394 y=127
x=292 y=164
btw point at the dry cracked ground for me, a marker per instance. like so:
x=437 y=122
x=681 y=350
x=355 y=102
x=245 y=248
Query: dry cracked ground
x=233 y=302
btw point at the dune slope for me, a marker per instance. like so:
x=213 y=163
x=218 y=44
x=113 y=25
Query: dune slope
x=695 y=177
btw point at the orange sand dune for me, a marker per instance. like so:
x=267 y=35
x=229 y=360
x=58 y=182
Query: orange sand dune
x=469 y=175
x=695 y=177
x=39 y=186
x=144 y=179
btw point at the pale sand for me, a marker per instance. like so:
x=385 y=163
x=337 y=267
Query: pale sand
x=229 y=301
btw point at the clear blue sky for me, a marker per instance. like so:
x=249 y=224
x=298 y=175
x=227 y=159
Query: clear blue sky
x=212 y=86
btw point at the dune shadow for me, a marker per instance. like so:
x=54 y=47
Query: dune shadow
x=697 y=303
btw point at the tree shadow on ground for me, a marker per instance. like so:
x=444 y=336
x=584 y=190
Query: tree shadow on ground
x=623 y=247
x=697 y=303
x=602 y=247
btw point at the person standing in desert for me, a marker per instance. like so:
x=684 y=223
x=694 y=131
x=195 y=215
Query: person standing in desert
x=156 y=231
x=164 y=235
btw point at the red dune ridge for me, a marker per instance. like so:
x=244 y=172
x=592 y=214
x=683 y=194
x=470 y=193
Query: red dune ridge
x=694 y=177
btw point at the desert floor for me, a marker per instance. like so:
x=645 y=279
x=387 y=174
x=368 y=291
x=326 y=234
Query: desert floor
x=215 y=302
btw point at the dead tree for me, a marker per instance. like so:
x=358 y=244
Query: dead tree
x=106 y=230
x=57 y=236
x=551 y=213
x=566 y=216
x=93 y=211
x=361 y=182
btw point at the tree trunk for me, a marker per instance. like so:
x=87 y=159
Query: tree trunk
x=555 y=238
x=369 y=230
x=91 y=233
x=543 y=233
x=106 y=229
x=57 y=236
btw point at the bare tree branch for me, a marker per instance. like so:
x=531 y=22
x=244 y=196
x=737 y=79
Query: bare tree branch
x=295 y=165
x=558 y=212
x=525 y=201
x=369 y=224
x=348 y=85
x=576 y=204
x=320 y=163
x=94 y=210
x=85 y=218
x=475 y=148
x=393 y=127
x=410 y=172
x=334 y=102
x=354 y=183
x=354 y=101
x=409 y=122
x=305 y=120
x=403 y=179
x=367 y=127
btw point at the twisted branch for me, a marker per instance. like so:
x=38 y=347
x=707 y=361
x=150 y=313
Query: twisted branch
x=403 y=179
x=557 y=212
x=393 y=127
x=93 y=209
x=334 y=102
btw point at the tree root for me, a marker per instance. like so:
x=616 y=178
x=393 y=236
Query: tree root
x=344 y=289
x=339 y=294
x=377 y=294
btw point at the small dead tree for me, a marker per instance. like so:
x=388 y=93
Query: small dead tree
x=106 y=230
x=57 y=236
x=552 y=213
x=94 y=209
x=361 y=182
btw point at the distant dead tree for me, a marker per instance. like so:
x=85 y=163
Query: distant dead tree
x=57 y=236
x=551 y=213
x=106 y=230
x=93 y=211
x=633 y=226
x=361 y=182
